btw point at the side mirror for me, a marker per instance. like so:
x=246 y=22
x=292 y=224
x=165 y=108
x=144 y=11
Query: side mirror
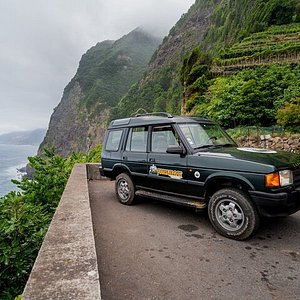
x=174 y=149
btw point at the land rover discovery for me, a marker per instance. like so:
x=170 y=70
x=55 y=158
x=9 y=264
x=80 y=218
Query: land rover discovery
x=193 y=162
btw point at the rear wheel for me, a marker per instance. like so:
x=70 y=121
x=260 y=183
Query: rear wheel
x=232 y=214
x=125 y=189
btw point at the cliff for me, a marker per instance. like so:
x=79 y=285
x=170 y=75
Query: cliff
x=105 y=73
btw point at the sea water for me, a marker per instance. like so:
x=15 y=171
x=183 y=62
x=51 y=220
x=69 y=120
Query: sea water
x=12 y=158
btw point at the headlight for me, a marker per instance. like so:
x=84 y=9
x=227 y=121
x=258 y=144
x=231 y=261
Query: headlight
x=281 y=178
x=286 y=177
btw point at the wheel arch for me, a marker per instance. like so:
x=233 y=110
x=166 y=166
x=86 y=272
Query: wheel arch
x=118 y=169
x=219 y=181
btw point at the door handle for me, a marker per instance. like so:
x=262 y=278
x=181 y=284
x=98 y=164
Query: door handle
x=125 y=157
x=151 y=159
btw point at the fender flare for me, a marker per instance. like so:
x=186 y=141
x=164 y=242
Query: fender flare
x=228 y=176
x=121 y=166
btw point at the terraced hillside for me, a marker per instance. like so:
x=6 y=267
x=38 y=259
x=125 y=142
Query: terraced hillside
x=278 y=44
x=255 y=81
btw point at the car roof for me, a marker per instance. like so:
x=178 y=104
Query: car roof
x=156 y=119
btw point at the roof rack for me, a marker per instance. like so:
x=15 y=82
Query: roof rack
x=159 y=114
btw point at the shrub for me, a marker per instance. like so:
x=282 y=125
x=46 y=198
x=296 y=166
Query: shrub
x=22 y=228
x=289 y=115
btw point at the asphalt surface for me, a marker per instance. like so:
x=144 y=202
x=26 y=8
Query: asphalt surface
x=154 y=250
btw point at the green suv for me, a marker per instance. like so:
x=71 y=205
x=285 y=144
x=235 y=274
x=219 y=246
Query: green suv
x=193 y=162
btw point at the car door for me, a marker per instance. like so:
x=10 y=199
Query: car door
x=135 y=154
x=167 y=171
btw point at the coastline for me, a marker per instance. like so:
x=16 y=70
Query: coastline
x=13 y=163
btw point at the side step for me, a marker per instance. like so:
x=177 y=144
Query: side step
x=198 y=204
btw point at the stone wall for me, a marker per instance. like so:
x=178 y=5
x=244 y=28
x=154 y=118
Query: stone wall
x=290 y=144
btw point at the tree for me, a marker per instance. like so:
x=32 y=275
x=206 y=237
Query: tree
x=289 y=115
x=252 y=96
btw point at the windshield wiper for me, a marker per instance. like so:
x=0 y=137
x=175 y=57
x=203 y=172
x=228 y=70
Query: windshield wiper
x=205 y=146
x=226 y=145
x=214 y=146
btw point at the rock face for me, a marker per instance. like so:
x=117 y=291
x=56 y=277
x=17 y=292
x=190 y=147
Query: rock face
x=68 y=129
x=104 y=75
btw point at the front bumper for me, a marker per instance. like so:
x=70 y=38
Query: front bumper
x=277 y=204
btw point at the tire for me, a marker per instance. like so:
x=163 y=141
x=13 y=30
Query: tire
x=125 y=189
x=232 y=214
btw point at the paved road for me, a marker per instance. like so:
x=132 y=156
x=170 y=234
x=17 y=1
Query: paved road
x=154 y=250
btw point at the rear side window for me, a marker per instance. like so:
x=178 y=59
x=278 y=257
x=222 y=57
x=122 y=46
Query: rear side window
x=113 y=140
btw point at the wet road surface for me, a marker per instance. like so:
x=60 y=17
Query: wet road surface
x=154 y=250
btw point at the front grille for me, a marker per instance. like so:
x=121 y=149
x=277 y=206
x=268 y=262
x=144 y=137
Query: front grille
x=296 y=175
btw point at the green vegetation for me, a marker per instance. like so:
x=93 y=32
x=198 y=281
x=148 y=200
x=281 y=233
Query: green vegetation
x=278 y=44
x=236 y=19
x=108 y=69
x=234 y=40
x=155 y=95
x=194 y=76
x=105 y=73
x=160 y=87
x=289 y=115
x=263 y=87
x=25 y=216
x=262 y=96
x=256 y=131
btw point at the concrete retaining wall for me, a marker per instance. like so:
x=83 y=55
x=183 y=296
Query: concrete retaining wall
x=66 y=266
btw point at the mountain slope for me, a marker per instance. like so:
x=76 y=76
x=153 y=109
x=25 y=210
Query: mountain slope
x=209 y=25
x=277 y=44
x=257 y=44
x=104 y=75
x=160 y=88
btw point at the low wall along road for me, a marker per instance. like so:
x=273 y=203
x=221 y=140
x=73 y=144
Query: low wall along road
x=66 y=267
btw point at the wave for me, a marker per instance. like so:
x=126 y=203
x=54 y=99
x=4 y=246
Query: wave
x=14 y=171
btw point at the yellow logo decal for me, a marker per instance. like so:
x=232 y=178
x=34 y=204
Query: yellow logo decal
x=171 y=173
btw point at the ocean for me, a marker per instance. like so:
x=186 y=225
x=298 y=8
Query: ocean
x=13 y=157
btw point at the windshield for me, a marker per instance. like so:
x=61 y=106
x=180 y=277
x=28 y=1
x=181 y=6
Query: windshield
x=205 y=135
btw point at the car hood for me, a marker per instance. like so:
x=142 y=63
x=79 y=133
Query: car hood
x=249 y=159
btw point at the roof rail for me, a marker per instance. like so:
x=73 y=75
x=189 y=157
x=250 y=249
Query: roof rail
x=160 y=114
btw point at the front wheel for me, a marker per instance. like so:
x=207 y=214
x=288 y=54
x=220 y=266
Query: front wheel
x=125 y=189
x=232 y=214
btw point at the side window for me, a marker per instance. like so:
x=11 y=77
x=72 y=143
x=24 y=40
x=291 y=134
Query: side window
x=113 y=140
x=162 y=137
x=137 y=139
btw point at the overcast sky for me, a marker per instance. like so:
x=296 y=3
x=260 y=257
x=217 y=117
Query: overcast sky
x=42 y=42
